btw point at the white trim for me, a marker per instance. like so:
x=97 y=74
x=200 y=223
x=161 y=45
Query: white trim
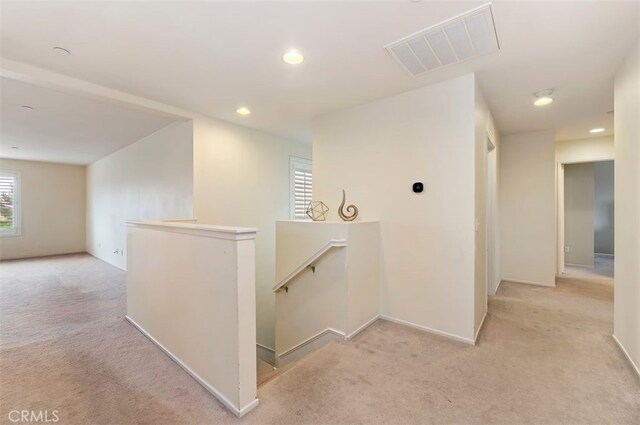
x=363 y=327
x=217 y=232
x=311 y=339
x=265 y=347
x=248 y=408
x=319 y=340
x=332 y=223
x=101 y=259
x=308 y=346
x=528 y=282
x=498 y=287
x=296 y=162
x=333 y=243
x=428 y=330
x=584 y=266
x=560 y=224
x=178 y=220
x=624 y=351
x=16 y=231
x=604 y=255
x=265 y=353
x=239 y=412
x=475 y=338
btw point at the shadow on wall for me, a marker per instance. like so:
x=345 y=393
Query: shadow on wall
x=604 y=229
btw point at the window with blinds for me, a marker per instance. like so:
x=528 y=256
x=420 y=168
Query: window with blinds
x=301 y=187
x=9 y=203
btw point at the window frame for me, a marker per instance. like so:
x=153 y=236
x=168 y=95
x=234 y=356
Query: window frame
x=297 y=163
x=16 y=230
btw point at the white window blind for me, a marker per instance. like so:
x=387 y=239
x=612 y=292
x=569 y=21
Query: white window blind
x=301 y=187
x=9 y=203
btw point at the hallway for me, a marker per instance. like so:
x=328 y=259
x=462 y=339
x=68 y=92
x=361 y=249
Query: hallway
x=545 y=356
x=603 y=268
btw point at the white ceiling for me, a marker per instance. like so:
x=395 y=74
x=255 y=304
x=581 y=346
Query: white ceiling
x=66 y=128
x=211 y=57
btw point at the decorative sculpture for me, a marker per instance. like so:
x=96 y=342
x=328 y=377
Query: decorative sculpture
x=317 y=211
x=351 y=208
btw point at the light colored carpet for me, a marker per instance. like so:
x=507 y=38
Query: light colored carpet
x=545 y=356
x=603 y=267
x=265 y=371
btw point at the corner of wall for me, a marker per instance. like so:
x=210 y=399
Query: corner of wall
x=627 y=209
x=151 y=178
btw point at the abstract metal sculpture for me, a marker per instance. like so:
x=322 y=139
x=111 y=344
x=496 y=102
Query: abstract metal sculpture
x=352 y=209
x=317 y=211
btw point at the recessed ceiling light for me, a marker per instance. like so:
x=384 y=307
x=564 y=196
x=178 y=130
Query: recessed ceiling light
x=292 y=57
x=541 y=101
x=61 y=51
x=243 y=111
x=543 y=97
x=31 y=108
x=596 y=130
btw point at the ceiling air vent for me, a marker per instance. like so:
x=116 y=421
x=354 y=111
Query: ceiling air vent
x=455 y=40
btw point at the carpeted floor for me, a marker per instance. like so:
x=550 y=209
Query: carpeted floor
x=265 y=371
x=545 y=356
x=603 y=267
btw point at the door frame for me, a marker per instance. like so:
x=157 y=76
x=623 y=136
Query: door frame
x=560 y=224
x=490 y=212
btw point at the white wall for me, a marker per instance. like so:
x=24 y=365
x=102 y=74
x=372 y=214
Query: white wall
x=579 y=183
x=627 y=213
x=52 y=210
x=585 y=150
x=241 y=178
x=603 y=224
x=528 y=208
x=340 y=296
x=262 y=192
x=152 y=178
x=191 y=289
x=376 y=152
x=486 y=237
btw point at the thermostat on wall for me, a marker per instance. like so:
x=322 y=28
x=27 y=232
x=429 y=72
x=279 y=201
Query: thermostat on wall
x=418 y=187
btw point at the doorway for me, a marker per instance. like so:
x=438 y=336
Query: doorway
x=586 y=205
x=491 y=211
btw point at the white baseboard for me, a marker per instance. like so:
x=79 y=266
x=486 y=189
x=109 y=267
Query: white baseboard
x=584 y=266
x=429 y=330
x=238 y=411
x=363 y=327
x=624 y=351
x=248 y=408
x=603 y=255
x=527 y=282
x=475 y=338
x=308 y=346
x=104 y=260
x=317 y=341
x=41 y=256
x=498 y=287
x=265 y=353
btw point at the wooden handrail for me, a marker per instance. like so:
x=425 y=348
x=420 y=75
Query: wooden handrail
x=333 y=243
